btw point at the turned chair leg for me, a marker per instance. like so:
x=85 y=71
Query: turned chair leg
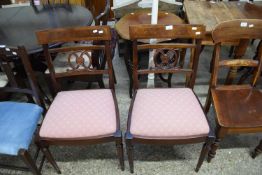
x=258 y=150
x=204 y=151
x=29 y=161
x=130 y=154
x=120 y=151
x=220 y=134
x=50 y=159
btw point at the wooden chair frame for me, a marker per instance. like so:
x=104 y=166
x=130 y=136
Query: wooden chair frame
x=244 y=30
x=91 y=33
x=7 y=56
x=193 y=32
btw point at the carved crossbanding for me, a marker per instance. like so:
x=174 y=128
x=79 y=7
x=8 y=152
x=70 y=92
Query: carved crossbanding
x=80 y=60
x=166 y=58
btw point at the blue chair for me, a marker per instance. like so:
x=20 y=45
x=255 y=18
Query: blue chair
x=19 y=120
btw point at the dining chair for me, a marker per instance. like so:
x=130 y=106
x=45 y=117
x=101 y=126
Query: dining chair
x=100 y=10
x=80 y=117
x=19 y=120
x=172 y=115
x=238 y=107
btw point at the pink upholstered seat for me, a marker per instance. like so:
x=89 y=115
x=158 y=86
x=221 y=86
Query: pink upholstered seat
x=81 y=113
x=168 y=114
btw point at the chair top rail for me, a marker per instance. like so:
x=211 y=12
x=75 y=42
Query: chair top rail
x=148 y=31
x=238 y=29
x=89 y=33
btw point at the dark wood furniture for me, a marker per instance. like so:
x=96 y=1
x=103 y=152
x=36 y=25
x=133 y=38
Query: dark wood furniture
x=238 y=107
x=210 y=14
x=135 y=18
x=19 y=120
x=161 y=116
x=100 y=9
x=4 y=2
x=258 y=150
x=92 y=114
x=29 y=20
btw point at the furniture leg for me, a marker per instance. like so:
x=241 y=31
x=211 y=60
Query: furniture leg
x=204 y=151
x=220 y=134
x=50 y=158
x=258 y=150
x=29 y=161
x=128 y=63
x=120 y=152
x=130 y=154
x=239 y=52
x=231 y=51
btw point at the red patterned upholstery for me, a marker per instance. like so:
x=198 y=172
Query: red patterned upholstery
x=168 y=114
x=81 y=113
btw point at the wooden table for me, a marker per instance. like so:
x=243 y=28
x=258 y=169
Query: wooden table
x=212 y=13
x=135 y=18
x=143 y=17
x=18 y=24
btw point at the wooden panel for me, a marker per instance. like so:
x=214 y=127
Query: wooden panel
x=143 y=17
x=170 y=31
x=242 y=28
x=211 y=13
x=74 y=34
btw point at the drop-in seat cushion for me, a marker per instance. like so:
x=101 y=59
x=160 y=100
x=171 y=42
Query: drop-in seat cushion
x=80 y=114
x=168 y=114
x=18 y=122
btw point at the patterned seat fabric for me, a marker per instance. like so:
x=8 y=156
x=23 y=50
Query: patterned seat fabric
x=18 y=122
x=168 y=114
x=80 y=113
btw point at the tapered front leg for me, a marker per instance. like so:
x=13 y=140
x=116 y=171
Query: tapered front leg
x=130 y=151
x=120 y=150
x=258 y=150
x=220 y=134
x=29 y=161
x=204 y=151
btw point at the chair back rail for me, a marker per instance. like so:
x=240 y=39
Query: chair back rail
x=235 y=29
x=166 y=31
x=168 y=57
x=7 y=56
x=244 y=30
x=99 y=35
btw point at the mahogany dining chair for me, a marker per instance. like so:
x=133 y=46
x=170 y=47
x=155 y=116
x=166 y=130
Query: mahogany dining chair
x=238 y=107
x=80 y=117
x=173 y=115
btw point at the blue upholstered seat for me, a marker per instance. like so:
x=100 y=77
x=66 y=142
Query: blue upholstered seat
x=18 y=122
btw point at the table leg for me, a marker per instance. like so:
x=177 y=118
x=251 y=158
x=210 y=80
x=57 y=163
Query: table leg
x=128 y=62
x=250 y=70
x=238 y=53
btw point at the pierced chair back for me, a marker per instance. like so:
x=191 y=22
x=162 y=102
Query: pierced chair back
x=83 y=59
x=8 y=55
x=245 y=30
x=168 y=57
